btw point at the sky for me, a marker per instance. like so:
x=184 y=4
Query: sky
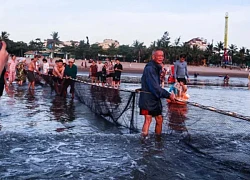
x=126 y=20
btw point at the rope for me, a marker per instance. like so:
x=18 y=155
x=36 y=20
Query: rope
x=210 y=108
x=228 y=113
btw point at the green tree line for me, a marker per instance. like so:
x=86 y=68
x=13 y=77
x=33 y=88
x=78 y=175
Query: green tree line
x=137 y=51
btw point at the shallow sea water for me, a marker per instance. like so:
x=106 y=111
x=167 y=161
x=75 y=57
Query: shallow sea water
x=47 y=137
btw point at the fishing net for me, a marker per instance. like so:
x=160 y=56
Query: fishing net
x=114 y=105
x=215 y=135
x=221 y=136
x=121 y=107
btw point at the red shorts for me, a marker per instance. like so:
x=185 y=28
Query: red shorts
x=152 y=113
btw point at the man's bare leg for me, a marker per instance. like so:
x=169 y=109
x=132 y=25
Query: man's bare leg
x=158 y=125
x=146 y=125
x=33 y=85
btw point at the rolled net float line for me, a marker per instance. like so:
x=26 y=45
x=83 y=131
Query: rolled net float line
x=228 y=113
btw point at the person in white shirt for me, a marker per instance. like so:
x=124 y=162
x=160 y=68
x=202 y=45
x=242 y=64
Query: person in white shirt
x=45 y=67
x=99 y=71
x=37 y=65
x=51 y=66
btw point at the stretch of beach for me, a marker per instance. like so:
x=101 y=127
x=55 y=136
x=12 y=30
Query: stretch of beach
x=201 y=70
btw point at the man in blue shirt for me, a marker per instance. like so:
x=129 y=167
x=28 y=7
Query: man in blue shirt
x=70 y=73
x=152 y=92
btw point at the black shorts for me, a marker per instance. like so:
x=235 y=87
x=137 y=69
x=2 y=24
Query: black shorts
x=50 y=72
x=99 y=76
x=67 y=83
x=152 y=113
x=104 y=78
x=31 y=76
x=57 y=80
x=117 y=78
x=182 y=80
x=1 y=88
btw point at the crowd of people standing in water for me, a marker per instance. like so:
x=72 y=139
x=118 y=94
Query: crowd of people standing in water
x=58 y=75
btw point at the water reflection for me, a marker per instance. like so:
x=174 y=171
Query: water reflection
x=20 y=92
x=106 y=94
x=30 y=95
x=10 y=91
x=105 y=101
x=63 y=110
x=177 y=115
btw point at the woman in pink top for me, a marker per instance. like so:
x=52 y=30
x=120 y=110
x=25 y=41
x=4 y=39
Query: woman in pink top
x=12 y=69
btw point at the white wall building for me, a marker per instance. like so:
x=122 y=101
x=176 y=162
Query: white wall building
x=108 y=42
x=199 y=42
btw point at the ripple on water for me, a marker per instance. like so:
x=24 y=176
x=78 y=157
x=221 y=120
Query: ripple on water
x=97 y=156
x=69 y=142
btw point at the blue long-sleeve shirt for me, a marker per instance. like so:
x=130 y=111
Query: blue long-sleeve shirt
x=180 y=69
x=151 y=91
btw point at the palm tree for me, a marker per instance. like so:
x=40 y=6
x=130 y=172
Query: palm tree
x=20 y=48
x=112 y=50
x=4 y=36
x=248 y=57
x=95 y=49
x=32 y=45
x=232 y=50
x=242 y=52
x=55 y=41
x=165 y=39
x=247 y=52
x=210 y=53
x=38 y=40
x=175 y=48
x=125 y=51
x=177 y=41
x=164 y=43
x=159 y=43
x=138 y=49
x=219 y=47
x=82 y=49
x=195 y=54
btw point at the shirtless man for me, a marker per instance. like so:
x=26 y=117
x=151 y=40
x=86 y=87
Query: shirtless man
x=3 y=55
x=30 y=73
x=58 y=73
